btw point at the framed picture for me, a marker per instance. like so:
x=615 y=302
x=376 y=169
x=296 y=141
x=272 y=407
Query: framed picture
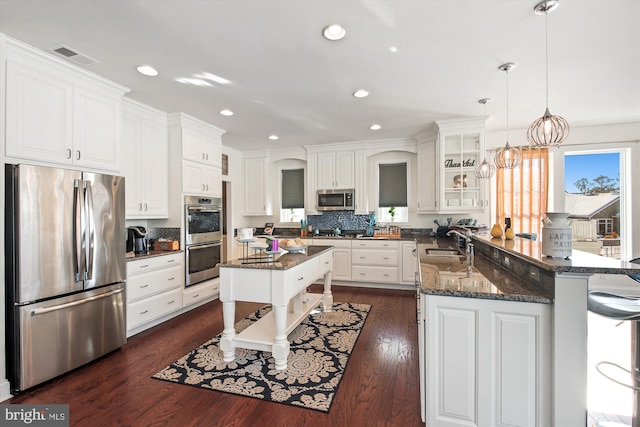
x=268 y=228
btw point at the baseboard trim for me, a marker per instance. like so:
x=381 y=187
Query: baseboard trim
x=5 y=390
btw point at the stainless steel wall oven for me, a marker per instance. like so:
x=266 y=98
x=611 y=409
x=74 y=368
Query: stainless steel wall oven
x=203 y=238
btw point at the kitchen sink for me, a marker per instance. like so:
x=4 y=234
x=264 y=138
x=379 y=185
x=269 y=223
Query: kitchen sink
x=442 y=252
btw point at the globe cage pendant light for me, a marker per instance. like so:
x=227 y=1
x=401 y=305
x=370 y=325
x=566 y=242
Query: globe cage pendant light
x=485 y=169
x=548 y=130
x=507 y=157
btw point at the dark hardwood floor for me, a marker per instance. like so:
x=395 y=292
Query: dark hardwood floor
x=380 y=386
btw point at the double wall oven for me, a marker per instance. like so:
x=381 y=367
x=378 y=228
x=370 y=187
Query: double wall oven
x=203 y=238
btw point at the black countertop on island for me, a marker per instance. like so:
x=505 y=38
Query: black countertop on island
x=513 y=270
x=448 y=276
x=282 y=261
x=531 y=252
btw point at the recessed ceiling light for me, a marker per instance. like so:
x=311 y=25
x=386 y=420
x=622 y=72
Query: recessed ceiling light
x=226 y=112
x=334 y=32
x=361 y=93
x=147 y=70
x=273 y=137
x=375 y=127
x=393 y=49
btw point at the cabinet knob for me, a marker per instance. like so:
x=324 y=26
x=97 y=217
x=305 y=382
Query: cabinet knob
x=202 y=156
x=68 y=153
x=145 y=207
x=139 y=206
x=78 y=155
x=171 y=302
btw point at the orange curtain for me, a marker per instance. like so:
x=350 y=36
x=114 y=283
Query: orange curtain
x=522 y=192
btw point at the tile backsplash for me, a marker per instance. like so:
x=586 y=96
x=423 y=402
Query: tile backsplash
x=345 y=220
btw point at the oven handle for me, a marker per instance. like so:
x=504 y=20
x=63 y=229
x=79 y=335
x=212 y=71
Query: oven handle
x=202 y=209
x=206 y=245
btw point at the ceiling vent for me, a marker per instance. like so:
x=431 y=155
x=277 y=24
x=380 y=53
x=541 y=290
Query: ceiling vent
x=72 y=55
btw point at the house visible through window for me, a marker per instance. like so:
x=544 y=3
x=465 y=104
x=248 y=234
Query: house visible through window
x=292 y=207
x=392 y=193
x=594 y=200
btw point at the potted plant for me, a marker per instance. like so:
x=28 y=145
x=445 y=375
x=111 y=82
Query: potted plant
x=392 y=212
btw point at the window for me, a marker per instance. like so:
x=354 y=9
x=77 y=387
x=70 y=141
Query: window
x=593 y=195
x=523 y=191
x=392 y=192
x=292 y=192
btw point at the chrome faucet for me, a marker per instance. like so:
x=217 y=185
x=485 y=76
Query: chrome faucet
x=468 y=248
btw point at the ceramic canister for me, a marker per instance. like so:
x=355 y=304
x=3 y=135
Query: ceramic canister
x=245 y=233
x=556 y=235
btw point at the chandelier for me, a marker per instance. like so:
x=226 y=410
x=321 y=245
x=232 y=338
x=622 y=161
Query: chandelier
x=507 y=157
x=548 y=130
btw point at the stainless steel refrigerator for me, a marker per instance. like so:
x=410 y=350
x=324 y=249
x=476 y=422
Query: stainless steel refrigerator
x=65 y=270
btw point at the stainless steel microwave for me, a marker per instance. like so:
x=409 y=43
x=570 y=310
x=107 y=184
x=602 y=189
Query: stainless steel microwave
x=335 y=200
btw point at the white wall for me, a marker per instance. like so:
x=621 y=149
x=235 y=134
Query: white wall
x=4 y=384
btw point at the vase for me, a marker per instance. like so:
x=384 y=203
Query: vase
x=556 y=235
x=509 y=234
x=496 y=230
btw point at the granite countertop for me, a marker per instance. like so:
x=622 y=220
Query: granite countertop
x=281 y=261
x=579 y=262
x=447 y=276
x=151 y=254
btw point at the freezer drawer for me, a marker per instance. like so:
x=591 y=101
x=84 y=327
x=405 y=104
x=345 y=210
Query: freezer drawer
x=59 y=335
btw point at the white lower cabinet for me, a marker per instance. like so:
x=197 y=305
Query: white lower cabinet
x=375 y=261
x=196 y=293
x=409 y=256
x=151 y=308
x=154 y=288
x=341 y=257
x=484 y=362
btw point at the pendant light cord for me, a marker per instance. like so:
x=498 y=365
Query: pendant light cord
x=546 y=51
x=507 y=71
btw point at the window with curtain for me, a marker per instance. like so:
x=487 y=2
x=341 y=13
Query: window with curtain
x=523 y=192
x=392 y=192
x=292 y=191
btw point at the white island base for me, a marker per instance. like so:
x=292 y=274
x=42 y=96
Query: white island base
x=285 y=290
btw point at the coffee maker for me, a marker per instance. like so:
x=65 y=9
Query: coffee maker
x=137 y=240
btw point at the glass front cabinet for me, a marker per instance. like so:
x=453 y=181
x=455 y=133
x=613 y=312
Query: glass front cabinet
x=460 y=150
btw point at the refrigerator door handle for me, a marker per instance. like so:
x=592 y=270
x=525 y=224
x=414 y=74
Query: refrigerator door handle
x=38 y=311
x=78 y=232
x=91 y=229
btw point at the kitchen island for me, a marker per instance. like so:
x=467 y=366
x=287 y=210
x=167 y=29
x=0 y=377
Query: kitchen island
x=280 y=280
x=505 y=342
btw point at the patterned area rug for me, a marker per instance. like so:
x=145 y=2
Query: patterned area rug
x=319 y=352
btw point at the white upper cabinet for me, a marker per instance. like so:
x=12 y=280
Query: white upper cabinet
x=60 y=114
x=257 y=195
x=336 y=170
x=202 y=144
x=461 y=149
x=145 y=161
x=201 y=179
x=199 y=148
x=427 y=176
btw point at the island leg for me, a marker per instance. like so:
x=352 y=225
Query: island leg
x=227 y=346
x=327 y=297
x=280 y=347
